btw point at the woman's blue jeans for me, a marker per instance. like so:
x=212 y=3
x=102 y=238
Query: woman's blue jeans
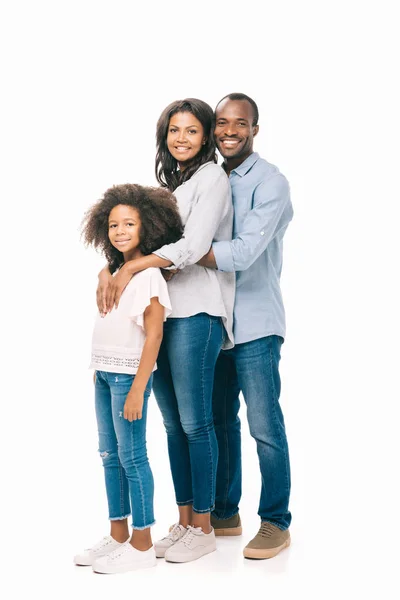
x=183 y=385
x=122 y=447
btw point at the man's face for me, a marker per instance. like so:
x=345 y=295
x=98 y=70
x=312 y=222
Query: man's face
x=234 y=131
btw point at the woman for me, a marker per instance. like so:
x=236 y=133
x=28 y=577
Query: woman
x=200 y=323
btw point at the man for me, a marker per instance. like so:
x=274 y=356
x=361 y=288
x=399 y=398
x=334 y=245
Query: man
x=263 y=210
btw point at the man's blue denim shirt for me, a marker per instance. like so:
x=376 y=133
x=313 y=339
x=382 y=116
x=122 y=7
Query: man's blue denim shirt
x=263 y=210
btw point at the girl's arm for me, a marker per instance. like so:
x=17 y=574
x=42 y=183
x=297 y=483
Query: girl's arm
x=153 y=326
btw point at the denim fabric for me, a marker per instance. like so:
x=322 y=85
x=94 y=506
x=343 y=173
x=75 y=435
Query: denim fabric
x=183 y=385
x=122 y=447
x=253 y=368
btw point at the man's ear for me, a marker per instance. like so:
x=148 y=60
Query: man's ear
x=255 y=130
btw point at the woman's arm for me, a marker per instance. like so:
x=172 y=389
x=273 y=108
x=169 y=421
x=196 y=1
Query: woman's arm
x=213 y=203
x=103 y=290
x=153 y=325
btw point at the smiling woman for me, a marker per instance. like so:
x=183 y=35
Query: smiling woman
x=200 y=323
x=185 y=137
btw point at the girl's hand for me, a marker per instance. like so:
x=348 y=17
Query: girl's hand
x=133 y=405
x=103 y=290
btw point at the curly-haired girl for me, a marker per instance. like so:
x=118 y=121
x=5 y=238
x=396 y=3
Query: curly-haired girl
x=129 y=222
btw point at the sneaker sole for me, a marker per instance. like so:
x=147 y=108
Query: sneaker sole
x=228 y=531
x=182 y=558
x=260 y=554
x=124 y=569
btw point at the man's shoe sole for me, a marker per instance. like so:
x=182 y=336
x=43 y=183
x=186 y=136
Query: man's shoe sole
x=228 y=531
x=262 y=553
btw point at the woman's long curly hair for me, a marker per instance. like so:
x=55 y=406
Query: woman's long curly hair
x=160 y=220
x=167 y=172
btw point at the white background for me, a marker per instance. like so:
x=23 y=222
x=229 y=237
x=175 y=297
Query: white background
x=83 y=84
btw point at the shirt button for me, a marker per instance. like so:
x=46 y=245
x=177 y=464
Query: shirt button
x=262 y=233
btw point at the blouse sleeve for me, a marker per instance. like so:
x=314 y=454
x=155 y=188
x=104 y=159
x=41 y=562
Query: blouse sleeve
x=213 y=204
x=152 y=285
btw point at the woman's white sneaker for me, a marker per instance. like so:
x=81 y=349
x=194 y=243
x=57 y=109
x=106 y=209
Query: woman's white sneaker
x=102 y=548
x=176 y=533
x=193 y=545
x=126 y=558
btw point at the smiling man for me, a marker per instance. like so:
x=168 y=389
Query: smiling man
x=263 y=210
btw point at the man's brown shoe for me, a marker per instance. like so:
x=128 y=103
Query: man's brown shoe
x=231 y=526
x=269 y=541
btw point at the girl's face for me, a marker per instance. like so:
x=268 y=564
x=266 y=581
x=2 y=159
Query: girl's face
x=185 y=137
x=124 y=230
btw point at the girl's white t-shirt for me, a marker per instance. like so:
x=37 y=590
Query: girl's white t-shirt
x=118 y=338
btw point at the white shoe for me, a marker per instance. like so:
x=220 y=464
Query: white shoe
x=105 y=546
x=126 y=558
x=177 y=531
x=193 y=545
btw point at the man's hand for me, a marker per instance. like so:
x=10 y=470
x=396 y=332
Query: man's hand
x=133 y=405
x=168 y=275
x=208 y=260
x=103 y=290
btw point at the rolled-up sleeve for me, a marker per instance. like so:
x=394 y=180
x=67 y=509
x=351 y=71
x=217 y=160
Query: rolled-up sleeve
x=272 y=211
x=212 y=204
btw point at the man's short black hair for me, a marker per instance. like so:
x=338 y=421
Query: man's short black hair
x=238 y=96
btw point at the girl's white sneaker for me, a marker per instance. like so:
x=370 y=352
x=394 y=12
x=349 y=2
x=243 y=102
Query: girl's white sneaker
x=102 y=548
x=125 y=558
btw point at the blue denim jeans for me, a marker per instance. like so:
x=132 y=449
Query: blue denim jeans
x=122 y=447
x=183 y=385
x=252 y=368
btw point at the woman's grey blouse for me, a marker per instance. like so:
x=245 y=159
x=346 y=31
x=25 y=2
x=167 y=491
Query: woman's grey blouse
x=205 y=205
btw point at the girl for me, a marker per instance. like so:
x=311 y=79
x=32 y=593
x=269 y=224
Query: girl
x=128 y=223
x=200 y=322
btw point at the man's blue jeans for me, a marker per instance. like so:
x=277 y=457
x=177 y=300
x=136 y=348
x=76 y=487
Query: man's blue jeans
x=252 y=368
x=122 y=447
x=183 y=385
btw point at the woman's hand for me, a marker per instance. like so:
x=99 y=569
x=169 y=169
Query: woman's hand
x=103 y=290
x=133 y=404
x=110 y=288
x=120 y=281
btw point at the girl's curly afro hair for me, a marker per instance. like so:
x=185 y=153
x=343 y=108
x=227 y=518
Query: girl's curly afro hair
x=160 y=220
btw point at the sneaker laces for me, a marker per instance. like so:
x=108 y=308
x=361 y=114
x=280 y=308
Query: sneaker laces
x=191 y=533
x=119 y=551
x=175 y=534
x=103 y=542
x=266 y=529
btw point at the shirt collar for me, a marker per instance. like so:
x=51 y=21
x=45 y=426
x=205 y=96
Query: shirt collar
x=246 y=165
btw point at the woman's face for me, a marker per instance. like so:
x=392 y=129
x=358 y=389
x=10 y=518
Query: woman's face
x=185 y=137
